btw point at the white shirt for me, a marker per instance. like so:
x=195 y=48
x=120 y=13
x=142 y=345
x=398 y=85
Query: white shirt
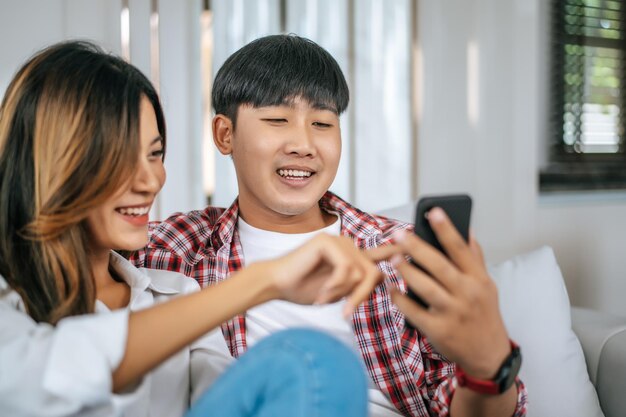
x=263 y=320
x=268 y=318
x=66 y=370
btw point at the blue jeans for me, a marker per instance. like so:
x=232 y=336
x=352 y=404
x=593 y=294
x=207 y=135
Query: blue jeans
x=295 y=373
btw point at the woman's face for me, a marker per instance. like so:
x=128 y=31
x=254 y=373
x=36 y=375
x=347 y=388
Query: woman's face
x=122 y=221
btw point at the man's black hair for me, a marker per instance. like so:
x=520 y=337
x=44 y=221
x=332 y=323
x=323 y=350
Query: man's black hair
x=276 y=69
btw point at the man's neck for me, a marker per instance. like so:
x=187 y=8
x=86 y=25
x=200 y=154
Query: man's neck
x=265 y=219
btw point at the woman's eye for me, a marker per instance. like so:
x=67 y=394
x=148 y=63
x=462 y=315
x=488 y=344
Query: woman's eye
x=157 y=153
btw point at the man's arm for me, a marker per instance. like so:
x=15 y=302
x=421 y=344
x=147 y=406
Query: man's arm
x=441 y=382
x=469 y=403
x=463 y=320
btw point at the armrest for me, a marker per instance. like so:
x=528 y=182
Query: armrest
x=603 y=339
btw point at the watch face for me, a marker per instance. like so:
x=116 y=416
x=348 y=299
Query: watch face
x=510 y=369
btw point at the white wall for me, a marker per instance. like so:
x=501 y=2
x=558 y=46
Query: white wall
x=181 y=95
x=29 y=25
x=493 y=150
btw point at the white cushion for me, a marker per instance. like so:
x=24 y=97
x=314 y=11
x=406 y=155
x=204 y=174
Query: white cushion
x=536 y=310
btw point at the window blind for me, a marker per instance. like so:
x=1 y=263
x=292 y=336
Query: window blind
x=589 y=47
x=588 y=85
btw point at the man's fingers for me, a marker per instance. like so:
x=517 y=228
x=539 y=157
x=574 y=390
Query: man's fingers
x=416 y=314
x=456 y=247
x=422 y=284
x=382 y=252
x=475 y=247
x=429 y=258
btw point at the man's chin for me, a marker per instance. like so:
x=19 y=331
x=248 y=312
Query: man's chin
x=299 y=208
x=292 y=211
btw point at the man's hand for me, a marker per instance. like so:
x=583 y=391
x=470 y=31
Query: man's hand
x=325 y=269
x=463 y=320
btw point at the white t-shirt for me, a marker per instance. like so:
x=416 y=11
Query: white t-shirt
x=268 y=318
x=66 y=370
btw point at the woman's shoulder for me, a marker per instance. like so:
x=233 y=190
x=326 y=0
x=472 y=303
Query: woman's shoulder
x=156 y=280
x=9 y=298
x=169 y=282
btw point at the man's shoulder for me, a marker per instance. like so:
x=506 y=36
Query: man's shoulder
x=387 y=224
x=372 y=226
x=184 y=231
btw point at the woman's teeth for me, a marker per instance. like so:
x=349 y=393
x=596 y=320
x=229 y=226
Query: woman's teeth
x=133 y=211
x=293 y=173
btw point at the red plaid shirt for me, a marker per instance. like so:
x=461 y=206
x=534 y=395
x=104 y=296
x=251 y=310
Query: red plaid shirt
x=419 y=381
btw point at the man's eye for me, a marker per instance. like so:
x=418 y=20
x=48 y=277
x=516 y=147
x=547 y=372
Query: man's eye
x=321 y=124
x=275 y=121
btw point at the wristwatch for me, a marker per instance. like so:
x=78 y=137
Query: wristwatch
x=505 y=377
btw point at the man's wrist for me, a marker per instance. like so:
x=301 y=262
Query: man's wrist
x=500 y=382
x=488 y=368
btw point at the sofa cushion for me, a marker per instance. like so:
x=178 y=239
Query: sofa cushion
x=536 y=310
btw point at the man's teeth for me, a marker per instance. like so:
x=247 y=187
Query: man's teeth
x=134 y=211
x=293 y=173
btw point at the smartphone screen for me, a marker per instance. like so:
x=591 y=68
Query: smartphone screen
x=458 y=207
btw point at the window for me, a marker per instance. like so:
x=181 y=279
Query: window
x=588 y=85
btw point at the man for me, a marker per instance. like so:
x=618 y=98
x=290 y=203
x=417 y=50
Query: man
x=277 y=102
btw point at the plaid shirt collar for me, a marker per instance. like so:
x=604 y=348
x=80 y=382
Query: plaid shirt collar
x=225 y=226
x=355 y=223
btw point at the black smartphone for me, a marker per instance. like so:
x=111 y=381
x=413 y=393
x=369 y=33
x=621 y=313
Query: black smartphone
x=458 y=207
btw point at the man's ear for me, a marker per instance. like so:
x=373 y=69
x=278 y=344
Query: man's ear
x=223 y=134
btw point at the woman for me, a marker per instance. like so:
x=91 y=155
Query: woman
x=83 y=332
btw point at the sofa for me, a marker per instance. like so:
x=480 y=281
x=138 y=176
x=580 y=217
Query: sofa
x=603 y=340
x=574 y=359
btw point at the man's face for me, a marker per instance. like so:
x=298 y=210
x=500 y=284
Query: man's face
x=286 y=158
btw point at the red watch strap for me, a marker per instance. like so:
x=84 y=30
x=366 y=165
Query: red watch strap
x=483 y=386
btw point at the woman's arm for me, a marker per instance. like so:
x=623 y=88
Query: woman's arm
x=66 y=369
x=156 y=333
x=323 y=270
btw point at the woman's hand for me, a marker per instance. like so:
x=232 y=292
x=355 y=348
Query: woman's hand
x=463 y=320
x=327 y=268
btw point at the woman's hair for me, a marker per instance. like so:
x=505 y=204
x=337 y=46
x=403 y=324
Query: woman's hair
x=69 y=139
